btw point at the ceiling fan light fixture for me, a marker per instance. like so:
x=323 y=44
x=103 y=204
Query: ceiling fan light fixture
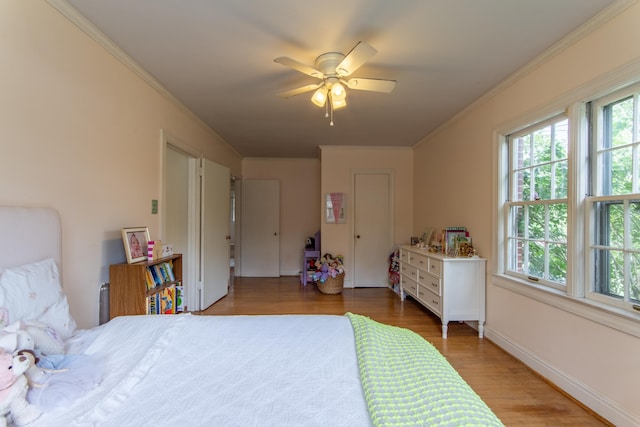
x=319 y=97
x=337 y=104
x=338 y=92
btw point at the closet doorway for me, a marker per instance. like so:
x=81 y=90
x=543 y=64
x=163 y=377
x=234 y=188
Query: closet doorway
x=372 y=229
x=195 y=212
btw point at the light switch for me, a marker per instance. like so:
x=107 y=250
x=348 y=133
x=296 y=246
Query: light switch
x=154 y=206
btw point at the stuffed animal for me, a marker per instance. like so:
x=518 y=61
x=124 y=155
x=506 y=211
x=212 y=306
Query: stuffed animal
x=31 y=335
x=13 y=337
x=45 y=339
x=13 y=391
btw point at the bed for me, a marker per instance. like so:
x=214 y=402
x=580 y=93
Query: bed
x=284 y=370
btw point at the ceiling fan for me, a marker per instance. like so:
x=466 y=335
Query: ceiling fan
x=332 y=68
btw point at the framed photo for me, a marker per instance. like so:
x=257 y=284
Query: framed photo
x=135 y=241
x=335 y=208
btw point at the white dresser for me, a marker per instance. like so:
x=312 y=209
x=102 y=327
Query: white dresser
x=452 y=288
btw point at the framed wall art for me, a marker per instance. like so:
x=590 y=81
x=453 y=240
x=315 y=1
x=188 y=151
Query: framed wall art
x=135 y=241
x=336 y=208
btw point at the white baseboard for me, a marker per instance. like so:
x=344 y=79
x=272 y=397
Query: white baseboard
x=586 y=395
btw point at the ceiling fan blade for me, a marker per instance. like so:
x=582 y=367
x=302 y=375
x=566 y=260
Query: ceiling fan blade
x=298 y=91
x=375 y=85
x=299 y=66
x=354 y=59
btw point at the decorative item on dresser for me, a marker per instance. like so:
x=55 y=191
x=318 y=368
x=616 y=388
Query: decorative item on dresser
x=452 y=288
x=147 y=287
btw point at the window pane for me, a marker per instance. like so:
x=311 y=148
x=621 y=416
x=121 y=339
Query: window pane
x=542 y=177
x=621 y=175
x=561 y=140
x=522 y=183
x=516 y=257
x=610 y=224
x=536 y=259
x=622 y=122
x=522 y=150
x=558 y=263
x=634 y=216
x=542 y=145
x=609 y=272
x=518 y=225
x=558 y=222
x=536 y=221
x=635 y=277
x=561 y=179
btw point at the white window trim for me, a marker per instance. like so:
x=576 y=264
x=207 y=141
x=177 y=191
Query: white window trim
x=574 y=301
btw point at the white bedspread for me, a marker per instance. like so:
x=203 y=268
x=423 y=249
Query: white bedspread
x=220 y=371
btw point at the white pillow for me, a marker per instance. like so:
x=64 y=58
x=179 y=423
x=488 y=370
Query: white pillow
x=33 y=292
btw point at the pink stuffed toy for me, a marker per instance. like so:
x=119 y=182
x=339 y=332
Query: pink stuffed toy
x=13 y=390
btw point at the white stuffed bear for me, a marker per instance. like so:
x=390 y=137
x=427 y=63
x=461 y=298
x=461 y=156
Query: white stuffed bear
x=31 y=335
x=13 y=391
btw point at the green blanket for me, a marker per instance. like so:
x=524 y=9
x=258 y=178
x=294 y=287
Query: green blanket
x=407 y=382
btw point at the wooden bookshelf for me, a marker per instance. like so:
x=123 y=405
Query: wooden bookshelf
x=129 y=292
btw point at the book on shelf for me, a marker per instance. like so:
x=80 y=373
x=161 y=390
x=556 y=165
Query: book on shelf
x=149 y=279
x=168 y=267
x=156 y=280
x=152 y=307
x=167 y=300
x=179 y=297
x=162 y=275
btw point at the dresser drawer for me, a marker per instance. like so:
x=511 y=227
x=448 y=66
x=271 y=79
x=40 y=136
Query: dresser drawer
x=409 y=286
x=435 y=267
x=431 y=283
x=429 y=299
x=404 y=256
x=409 y=271
x=418 y=260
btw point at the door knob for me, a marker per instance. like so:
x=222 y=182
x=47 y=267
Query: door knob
x=357 y=236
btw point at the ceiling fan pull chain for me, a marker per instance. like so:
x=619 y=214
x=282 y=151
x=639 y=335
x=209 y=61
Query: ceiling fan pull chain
x=331 y=109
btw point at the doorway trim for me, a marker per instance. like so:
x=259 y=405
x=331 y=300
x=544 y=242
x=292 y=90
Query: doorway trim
x=191 y=274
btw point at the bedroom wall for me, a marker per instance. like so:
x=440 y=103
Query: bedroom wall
x=596 y=364
x=299 y=203
x=337 y=164
x=81 y=133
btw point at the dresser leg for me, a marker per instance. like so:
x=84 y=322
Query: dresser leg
x=481 y=329
x=444 y=329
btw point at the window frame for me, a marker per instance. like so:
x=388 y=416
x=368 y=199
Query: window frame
x=594 y=197
x=509 y=202
x=574 y=298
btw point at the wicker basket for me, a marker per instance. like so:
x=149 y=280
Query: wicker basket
x=333 y=285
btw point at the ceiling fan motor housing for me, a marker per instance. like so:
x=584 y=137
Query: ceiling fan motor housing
x=327 y=63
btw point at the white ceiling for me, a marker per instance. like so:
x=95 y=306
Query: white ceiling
x=216 y=57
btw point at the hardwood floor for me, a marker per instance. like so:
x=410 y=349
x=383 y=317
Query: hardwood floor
x=518 y=396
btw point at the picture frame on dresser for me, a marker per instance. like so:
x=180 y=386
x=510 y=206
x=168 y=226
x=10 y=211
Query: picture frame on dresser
x=135 y=240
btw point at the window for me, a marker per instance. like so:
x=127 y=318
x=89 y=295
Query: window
x=571 y=202
x=614 y=249
x=537 y=203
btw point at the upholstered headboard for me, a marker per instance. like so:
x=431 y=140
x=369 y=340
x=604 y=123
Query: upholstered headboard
x=28 y=235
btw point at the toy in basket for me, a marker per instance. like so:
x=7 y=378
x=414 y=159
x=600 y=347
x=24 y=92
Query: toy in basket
x=330 y=275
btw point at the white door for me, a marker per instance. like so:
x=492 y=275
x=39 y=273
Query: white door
x=260 y=233
x=215 y=236
x=180 y=216
x=372 y=229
